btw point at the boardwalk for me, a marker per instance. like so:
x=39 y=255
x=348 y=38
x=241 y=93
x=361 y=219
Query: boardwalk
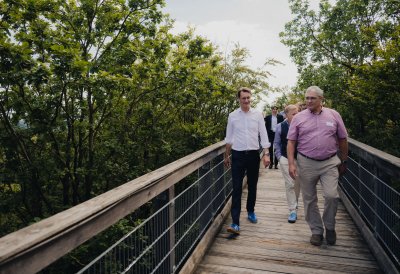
x=275 y=246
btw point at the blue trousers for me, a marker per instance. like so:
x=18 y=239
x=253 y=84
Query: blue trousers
x=244 y=162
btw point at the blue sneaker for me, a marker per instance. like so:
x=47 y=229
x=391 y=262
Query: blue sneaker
x=292 y=217
x=234 y=228
x=252 y=217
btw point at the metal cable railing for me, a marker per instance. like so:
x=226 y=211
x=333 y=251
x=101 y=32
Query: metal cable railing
x=377 y=203
x=163 y=242
x=54 y=237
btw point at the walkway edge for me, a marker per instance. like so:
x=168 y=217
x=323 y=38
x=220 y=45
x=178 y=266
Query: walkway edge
x=201 y=249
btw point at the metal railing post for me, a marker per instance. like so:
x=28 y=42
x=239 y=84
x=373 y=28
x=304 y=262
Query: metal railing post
x=171 y=221
x=375 y=206
x=359 y=185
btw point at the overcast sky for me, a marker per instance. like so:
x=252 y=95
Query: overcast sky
x=254 y=24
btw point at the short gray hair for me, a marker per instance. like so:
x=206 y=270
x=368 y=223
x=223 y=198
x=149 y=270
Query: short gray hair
x=316 y=89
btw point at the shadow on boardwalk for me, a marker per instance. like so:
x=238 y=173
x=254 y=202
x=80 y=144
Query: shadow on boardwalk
x=275 y=246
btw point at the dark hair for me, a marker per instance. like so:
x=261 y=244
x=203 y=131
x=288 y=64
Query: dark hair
x=244 y=89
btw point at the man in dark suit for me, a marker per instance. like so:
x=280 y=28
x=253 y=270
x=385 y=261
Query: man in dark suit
x=270 y=123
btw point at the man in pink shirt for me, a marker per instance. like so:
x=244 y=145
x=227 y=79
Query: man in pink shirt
x=321 y=139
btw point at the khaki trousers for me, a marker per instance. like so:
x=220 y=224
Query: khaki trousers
x=292 y=186
x=310 y=172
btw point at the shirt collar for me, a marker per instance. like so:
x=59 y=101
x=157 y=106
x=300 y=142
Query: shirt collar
x=322 y=108
x=250 y=110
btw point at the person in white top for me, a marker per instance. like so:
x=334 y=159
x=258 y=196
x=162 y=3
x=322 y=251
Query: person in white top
x=245 y=133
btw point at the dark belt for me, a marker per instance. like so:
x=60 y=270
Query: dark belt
x=245 y=151
x=319 y=160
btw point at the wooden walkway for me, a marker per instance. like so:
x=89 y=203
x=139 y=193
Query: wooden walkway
x=275 y=246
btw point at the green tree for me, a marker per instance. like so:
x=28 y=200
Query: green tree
x=61 y=77
x=96 y=93
x=350 y=49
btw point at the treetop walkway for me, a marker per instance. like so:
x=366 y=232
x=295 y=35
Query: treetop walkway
x=275 y=246
x=186 y=232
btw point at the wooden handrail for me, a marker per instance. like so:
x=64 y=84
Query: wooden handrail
x=385 y=167
x=33 y=248
x=381 y=160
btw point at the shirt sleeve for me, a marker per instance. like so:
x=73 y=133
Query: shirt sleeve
x=277 y=141
x=293 y=129
x=229 y=131
x=263 y=133
x=341 y=129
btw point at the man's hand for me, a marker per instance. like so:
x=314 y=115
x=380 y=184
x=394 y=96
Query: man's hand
x=342 y=168
x=227 y=161
x=266 y=160
x=290 y=153
x=293 y=171
x=343 y=152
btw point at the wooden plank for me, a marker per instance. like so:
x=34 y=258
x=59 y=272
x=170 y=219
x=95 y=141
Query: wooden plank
x=272 y=268
x=275 y=246
x=310 y=255
x=303 y=247
x=282 y=265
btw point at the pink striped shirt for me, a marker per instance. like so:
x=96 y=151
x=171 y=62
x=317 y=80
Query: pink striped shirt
x=317 y=134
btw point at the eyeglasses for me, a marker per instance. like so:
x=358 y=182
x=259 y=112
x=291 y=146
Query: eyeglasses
x=311 y=98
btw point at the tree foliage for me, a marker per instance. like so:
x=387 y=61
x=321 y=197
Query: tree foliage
x=95 y=93
x=351 y=50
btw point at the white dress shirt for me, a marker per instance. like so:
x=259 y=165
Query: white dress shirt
x=274 y=122
x=244 y=128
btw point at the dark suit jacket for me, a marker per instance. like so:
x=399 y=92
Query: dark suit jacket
x=268 y=119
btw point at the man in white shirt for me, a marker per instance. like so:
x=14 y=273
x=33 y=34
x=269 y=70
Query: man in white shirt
x=245 y=126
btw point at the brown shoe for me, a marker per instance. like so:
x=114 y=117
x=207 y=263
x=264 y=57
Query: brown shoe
x=316 y=239
x=330 y=237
